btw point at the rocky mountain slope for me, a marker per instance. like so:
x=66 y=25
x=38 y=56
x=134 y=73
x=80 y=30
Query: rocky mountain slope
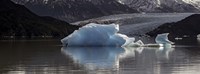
x=17 y=20
x=189 y=26
x=163 y=5
x=75 y=10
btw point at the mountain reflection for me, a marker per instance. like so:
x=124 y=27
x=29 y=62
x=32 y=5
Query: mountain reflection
x=108 y=58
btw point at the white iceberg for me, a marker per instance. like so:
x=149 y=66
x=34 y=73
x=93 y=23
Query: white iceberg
x=97 y=35
x=198 y=36
x=162 y=39
x=107 y=35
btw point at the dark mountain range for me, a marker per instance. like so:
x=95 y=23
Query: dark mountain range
x=75 y=10
x=17 y=20
x=189 y=26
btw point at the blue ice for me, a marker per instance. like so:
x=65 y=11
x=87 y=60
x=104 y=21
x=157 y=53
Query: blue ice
x=107 y=35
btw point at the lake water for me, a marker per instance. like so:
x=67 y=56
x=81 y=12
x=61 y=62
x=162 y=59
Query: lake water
x=47 y=56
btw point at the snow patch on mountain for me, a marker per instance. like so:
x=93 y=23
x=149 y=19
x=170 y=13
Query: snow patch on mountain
x=195 y=3
x=163 y=5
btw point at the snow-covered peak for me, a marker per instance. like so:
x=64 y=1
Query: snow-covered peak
x=188 y=1
x=195 y=3
x=163 y=5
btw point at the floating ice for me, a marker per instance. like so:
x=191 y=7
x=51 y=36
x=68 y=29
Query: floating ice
x=97 y=35
x=107 y=35
x=198 y=36
x=178 y=38
x=163 y=40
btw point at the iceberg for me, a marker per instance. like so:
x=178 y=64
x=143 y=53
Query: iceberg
x=107 y=35
x=97 y=35
x=198 y=36
x=162 y=40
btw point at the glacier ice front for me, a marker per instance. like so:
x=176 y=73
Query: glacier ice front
x=106 y=35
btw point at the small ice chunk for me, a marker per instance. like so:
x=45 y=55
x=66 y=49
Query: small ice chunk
x=198 y=36
x=177 y=38
x=163 y=39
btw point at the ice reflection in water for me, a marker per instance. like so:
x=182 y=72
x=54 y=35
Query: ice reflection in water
x=160 y=52
x=108 y=58
x=38 y=57
x=95 y=58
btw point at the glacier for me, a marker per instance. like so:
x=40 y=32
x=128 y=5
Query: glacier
x=107 y=35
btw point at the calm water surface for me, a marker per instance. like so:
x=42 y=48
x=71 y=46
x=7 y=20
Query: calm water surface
x=49 y=57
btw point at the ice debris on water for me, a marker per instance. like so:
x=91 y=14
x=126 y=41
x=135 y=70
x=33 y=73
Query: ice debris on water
x=107 y=35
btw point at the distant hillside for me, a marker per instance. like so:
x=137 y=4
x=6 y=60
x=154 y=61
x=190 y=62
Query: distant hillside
x=17 y=20
x=75 y=10
x=189 y=26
